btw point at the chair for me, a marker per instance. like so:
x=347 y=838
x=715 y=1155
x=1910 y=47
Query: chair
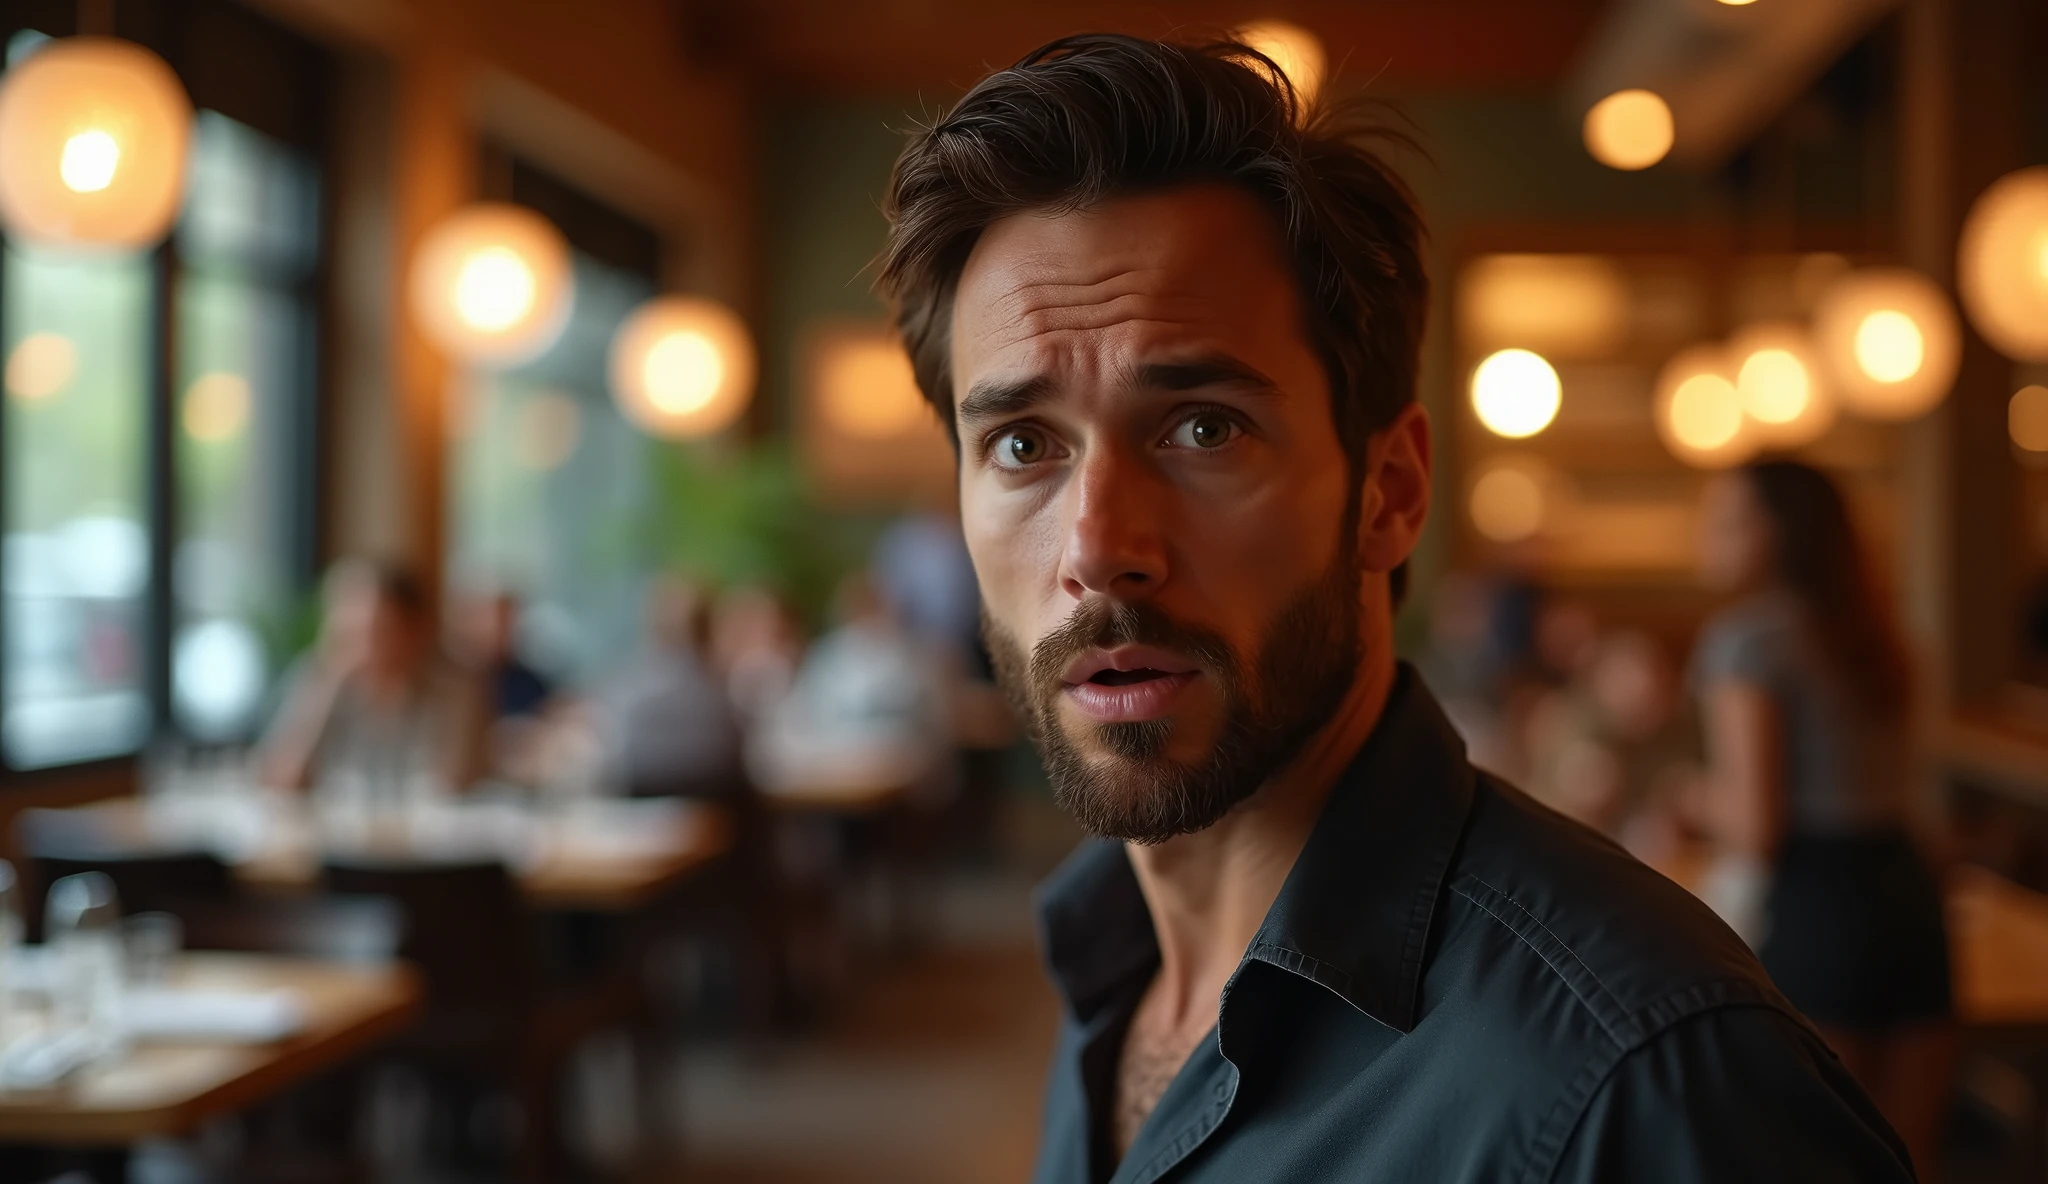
x=488 y=1012
x=359 y=929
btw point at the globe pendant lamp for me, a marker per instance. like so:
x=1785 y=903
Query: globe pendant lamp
x=93 y=140
x=1890 y=342
x=491 y=285
x=2002 y=265
x=682 y=367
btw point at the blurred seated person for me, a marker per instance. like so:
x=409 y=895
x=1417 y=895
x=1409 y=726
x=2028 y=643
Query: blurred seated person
x=670 y=729
x=755 y=649
x=375 y=699
x=868 y=708
x=516 y=697
x=1611 y=747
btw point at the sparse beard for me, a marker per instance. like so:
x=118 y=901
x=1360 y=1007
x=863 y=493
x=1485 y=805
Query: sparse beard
x=1308 y=657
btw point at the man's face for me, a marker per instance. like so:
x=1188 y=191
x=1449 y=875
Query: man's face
x=1156 y=501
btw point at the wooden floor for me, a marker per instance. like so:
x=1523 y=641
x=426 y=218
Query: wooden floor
x=931 y=1073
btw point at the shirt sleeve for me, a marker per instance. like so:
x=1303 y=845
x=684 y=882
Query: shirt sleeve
x=1739 y=1094
x=1739 y=647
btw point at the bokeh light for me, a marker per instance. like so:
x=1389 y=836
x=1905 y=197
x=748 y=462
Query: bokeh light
x=1700 y=414
x=216 y=407
x=1780 y=385
x=1888 y=342
x=1507 y=503
x=491 y=285
x=682 y=367
x=1516 y=393
x=2026 y=418
x=867 y=389
x=2002 y=264
x=41 y=365
x=93 y=139
x=1298 y=53
x=1630 y=129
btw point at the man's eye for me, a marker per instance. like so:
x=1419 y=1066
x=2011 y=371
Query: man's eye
x=1019 y=447
x=1207 y=430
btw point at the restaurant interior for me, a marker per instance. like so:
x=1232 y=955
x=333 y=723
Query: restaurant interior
x=527 y=356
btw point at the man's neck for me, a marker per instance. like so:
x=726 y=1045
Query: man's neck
x=1209 y=892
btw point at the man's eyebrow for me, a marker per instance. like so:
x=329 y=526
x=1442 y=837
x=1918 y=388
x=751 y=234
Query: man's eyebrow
x=1210 y=371
x=994 y=398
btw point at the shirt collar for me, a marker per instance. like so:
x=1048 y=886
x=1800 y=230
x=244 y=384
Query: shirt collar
x=1353 y=914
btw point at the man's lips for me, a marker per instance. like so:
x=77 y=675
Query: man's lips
x=1125 y=659
x=1128 y=684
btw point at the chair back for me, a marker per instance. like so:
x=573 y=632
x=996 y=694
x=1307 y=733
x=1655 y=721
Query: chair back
x=466 y=931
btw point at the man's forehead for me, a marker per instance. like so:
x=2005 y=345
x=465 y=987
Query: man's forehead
x=1142 y=265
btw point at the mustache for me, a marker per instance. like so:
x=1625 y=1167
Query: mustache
x=1104 y=624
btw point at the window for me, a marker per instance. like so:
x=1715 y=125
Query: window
x=549 y=487
x=247 y=248
x=156 y=475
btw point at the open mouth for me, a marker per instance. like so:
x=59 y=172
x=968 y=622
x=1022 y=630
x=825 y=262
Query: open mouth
x=1124 y=678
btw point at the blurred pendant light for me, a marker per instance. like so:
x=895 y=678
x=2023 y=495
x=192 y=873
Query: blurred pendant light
x=1700 y=413
x=1516 y=393
x=1297 y=52
x=1629 y=129
x=93 y=138
x=1889 y=342
x=1783 y=396
x=491 y=285
x=2002 y=265
x=682 y=367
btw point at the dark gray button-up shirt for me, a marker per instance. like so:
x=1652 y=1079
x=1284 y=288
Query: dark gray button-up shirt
x=1454 y=985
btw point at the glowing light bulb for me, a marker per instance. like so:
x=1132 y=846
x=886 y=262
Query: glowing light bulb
x=1516 y=393
x=494 y=289
x=89 y=162
x=1706 y=412
x=1889 y=347
x=1774 y=386
x=1629 y=129
x=1292 y=48
x=682 y=373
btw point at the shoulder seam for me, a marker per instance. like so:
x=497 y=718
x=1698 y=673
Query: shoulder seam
x=1562 y=960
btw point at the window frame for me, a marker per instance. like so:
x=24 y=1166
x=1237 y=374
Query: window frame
x=288 y=97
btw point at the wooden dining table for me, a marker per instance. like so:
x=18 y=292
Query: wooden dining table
x=167 y=1088
x=614 y=856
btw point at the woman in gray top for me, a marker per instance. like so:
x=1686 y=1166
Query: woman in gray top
x=1805 y=694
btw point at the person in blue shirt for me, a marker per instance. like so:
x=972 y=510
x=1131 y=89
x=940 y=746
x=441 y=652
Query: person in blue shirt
x=1172 y=319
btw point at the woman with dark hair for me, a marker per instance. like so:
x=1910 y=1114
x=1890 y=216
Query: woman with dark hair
x=1806 y=697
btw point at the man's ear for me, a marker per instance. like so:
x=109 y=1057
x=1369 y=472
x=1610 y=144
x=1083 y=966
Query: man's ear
x=1395 y=501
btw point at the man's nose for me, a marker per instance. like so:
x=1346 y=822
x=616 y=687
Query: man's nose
x=1114 y=542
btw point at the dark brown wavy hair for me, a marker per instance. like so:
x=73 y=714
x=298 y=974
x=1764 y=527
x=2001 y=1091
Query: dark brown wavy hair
x=1820 y=560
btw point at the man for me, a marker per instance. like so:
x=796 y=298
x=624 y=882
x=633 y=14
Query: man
x=1174 y=326
x=374 y=701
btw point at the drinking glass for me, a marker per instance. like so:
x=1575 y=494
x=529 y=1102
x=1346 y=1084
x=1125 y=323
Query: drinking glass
x=82 y=927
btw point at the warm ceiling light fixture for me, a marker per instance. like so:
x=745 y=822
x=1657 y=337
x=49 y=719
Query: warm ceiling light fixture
x=1516 y=393
x=1700 y=414
x=2002 y=264
x=1889 y=341
x=1629 y=129
x=93 y=136
x=682 y=367
x=491 y=285
x=1780 y=384
x=1298 y=53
